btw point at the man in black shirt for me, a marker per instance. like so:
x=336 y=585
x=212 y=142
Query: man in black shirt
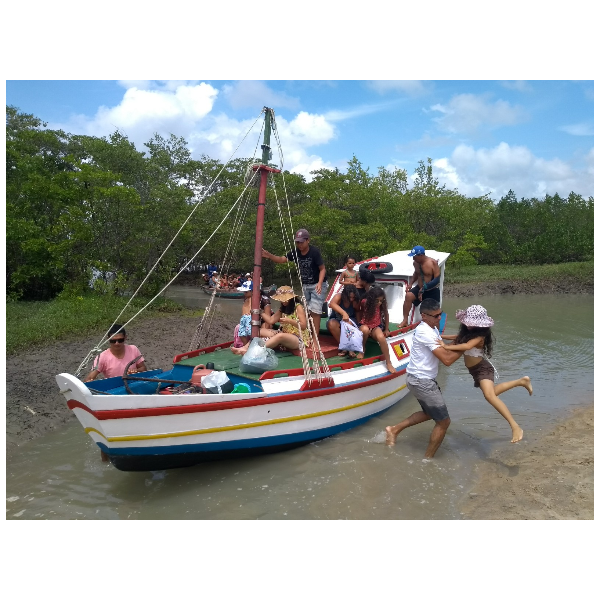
x=312 y=272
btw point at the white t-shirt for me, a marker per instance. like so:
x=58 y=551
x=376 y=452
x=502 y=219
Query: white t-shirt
x=423 y=364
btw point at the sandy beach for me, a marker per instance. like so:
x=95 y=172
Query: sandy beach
x=550 y=477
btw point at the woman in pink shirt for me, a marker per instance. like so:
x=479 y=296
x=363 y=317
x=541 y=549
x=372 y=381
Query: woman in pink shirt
x=112 y=362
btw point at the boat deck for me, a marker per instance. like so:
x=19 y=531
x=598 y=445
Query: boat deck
x=225 y=360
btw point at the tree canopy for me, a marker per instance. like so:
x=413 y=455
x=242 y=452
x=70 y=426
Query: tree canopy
x=78 y=206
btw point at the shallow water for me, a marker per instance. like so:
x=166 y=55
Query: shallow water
x=353 y=475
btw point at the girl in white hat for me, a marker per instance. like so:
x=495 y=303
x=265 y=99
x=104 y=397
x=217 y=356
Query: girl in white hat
x=475 y=340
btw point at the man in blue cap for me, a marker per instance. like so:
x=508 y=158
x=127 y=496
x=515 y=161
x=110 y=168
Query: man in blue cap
x=425 y=281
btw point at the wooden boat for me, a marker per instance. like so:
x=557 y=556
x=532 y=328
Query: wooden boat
x=233 y=293
x=140 y=424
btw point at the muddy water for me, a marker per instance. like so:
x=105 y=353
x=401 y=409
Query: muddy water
x=349 y=476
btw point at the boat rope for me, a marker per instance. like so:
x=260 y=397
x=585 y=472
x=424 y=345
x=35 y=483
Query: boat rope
x=185 y=266
x=209 y=313
x=320 y=366
x=98 y=348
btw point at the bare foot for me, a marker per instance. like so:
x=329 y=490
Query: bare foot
x=403 y=324
x=240 y=351
x=342 y=353
x=527 y=384
x=351 y=354
x=517 y=435
x=360 y=356
x=390 y=366
x=390 y=436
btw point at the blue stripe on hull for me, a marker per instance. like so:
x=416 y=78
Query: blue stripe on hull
x=165 y=457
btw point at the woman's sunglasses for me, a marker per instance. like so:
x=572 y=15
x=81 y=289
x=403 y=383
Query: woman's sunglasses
x=118 y=341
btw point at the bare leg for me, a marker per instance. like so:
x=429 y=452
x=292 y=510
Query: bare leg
x=487 y=387
x=392 y=431
x=509 y=385
x=284 y=339
x=366 y=332
x=410 y=298
x=241 y=350
x=334 y=328
x=316 y=319
x=378 y=336
x=437 y=436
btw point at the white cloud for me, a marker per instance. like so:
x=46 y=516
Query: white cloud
x=242 y=94
x=468 y=113
x=476 y=172
x=408 y=87
x=578 y=129
x=518 y=85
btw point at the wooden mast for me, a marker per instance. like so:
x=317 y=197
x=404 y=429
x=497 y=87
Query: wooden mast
x=260 y=220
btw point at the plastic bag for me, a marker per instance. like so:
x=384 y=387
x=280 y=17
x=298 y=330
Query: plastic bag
x=258 y=358
x=217 y=382
x=351 y=338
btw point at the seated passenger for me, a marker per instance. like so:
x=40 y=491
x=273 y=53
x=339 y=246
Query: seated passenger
x=292 y=317
x=375 y=323
x=112 y=362
x=344 y=307
x=365 y=280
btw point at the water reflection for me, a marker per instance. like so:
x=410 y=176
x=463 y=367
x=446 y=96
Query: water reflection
x=349 y=476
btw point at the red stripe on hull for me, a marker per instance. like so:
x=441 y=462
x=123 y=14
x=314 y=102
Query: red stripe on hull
x=130 y=413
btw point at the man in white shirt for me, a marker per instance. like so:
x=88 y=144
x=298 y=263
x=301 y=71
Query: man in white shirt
x=425 y=356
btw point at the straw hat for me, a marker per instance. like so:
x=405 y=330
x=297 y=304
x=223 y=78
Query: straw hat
x=285 y=292
x=474 y=316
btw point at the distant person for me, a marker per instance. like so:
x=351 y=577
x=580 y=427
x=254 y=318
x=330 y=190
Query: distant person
x=422 y=369
x=366 y=279
x=212 y=268
x=112 y=362
x=291 y=316
x=214 y=280
x=427 y=279
x=312 y=273
x=344 y=307
x=349 y=275
x=375 y=323
x=474 y=340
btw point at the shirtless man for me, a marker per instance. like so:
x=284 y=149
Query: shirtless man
x=427 y=280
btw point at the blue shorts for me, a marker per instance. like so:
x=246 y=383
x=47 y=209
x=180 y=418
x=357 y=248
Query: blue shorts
x=245 y=326
x=315 y=301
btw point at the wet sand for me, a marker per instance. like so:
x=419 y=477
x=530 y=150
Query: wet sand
x=551 y=478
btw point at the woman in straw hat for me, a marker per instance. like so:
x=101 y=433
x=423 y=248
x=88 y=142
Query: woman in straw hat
x=292 y=318
x=474 y=339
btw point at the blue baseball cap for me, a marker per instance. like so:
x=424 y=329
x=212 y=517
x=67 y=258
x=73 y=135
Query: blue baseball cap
x=416 y=251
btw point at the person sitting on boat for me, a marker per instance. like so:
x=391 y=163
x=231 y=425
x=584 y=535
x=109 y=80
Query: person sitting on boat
x=214 y=280
x=427 y=279
x=312 y=273
x=344 y=307
x=292 y=318
x=375 y=323
x=112 y=362
x=245 y=330
x=366 y=279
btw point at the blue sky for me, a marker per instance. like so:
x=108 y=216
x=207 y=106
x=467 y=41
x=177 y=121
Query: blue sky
x=534 y=137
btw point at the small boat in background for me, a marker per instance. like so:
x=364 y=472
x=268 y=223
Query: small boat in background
x=232 y=292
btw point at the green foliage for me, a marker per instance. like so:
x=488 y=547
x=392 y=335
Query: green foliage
x=77 y=205
x=34 y=323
